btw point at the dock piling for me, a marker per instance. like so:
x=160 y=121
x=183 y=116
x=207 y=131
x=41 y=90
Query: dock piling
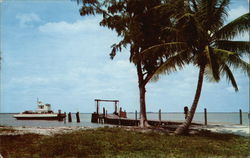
x=77 y=117
x=69 y=117
x=136 y=118
x=160 y=115
x=135 y=114
x=64 y=119
x=240 y=117
x=103 y=111
x=205 y=115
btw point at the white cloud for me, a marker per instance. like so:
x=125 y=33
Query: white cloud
x=27 y=19
x=29 y=80
x=64 y=27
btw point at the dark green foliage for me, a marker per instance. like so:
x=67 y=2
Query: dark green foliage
x=200 y=26
x=139 y=23
x=117 y=142
x=235 y=46
x=236 y=27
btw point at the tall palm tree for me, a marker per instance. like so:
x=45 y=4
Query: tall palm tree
x=139 y=27
x=203 y=40
x=213 y=48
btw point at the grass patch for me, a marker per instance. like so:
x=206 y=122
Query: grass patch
x=117 y=142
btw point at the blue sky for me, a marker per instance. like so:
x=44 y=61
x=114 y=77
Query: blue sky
x=51 y=52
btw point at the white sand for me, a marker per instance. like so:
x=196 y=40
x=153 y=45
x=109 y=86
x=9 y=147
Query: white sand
x=40 y=130
x=242 y=130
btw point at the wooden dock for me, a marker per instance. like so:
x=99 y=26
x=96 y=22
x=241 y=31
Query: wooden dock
x=116 y=120
x=120 y=118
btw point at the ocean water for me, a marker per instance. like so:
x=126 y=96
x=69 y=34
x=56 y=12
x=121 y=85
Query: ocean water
x=225 y=118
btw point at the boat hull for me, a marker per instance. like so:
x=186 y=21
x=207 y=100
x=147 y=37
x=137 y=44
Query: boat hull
x=58 y=117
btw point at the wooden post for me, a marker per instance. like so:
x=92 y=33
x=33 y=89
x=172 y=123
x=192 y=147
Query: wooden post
x=106 y=113
x=69 y=117
x=97 y=107
x=115 y=107
x=240 y=117
x=135 y=114
x=160 y=115
x=77 y=117
x=136 y=118
x=103 y=110
x=59 y=116
x=205 y=115
x=64 y=119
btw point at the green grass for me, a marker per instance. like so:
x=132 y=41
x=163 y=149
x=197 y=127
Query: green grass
x=117 y=142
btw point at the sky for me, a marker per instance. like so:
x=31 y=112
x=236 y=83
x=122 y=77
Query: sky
x=52 y=53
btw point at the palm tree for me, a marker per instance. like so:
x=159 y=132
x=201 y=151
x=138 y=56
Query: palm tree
x=213 y=50
x=204 y=41
x=139 y=27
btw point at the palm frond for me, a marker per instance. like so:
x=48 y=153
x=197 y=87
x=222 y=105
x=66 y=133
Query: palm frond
x=232 y=59
x=213 y=64
x=229 y=76
x=242 y=47
x=208 y=74
x=223 y=55
x=234 y=28
x=165 y=48
x=219 y=14
x=238 y=63
x=172 y=64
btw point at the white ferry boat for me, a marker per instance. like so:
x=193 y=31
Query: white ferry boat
x=43 y=112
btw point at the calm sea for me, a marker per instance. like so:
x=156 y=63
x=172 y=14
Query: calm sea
x=227 y=118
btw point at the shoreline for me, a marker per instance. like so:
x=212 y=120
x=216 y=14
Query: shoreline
x=236 y=129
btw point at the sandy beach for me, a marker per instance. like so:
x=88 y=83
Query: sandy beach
x=242 y=130
x=39 y=130
x=219 y=128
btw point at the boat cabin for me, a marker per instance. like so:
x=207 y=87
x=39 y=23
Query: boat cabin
x=43 y=108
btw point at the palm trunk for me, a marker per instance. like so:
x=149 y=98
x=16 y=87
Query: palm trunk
x=143 y=115
x=142 y=91
x=184 y=127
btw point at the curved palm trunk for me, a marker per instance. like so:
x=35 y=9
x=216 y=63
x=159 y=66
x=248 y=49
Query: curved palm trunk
x=184 y=127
